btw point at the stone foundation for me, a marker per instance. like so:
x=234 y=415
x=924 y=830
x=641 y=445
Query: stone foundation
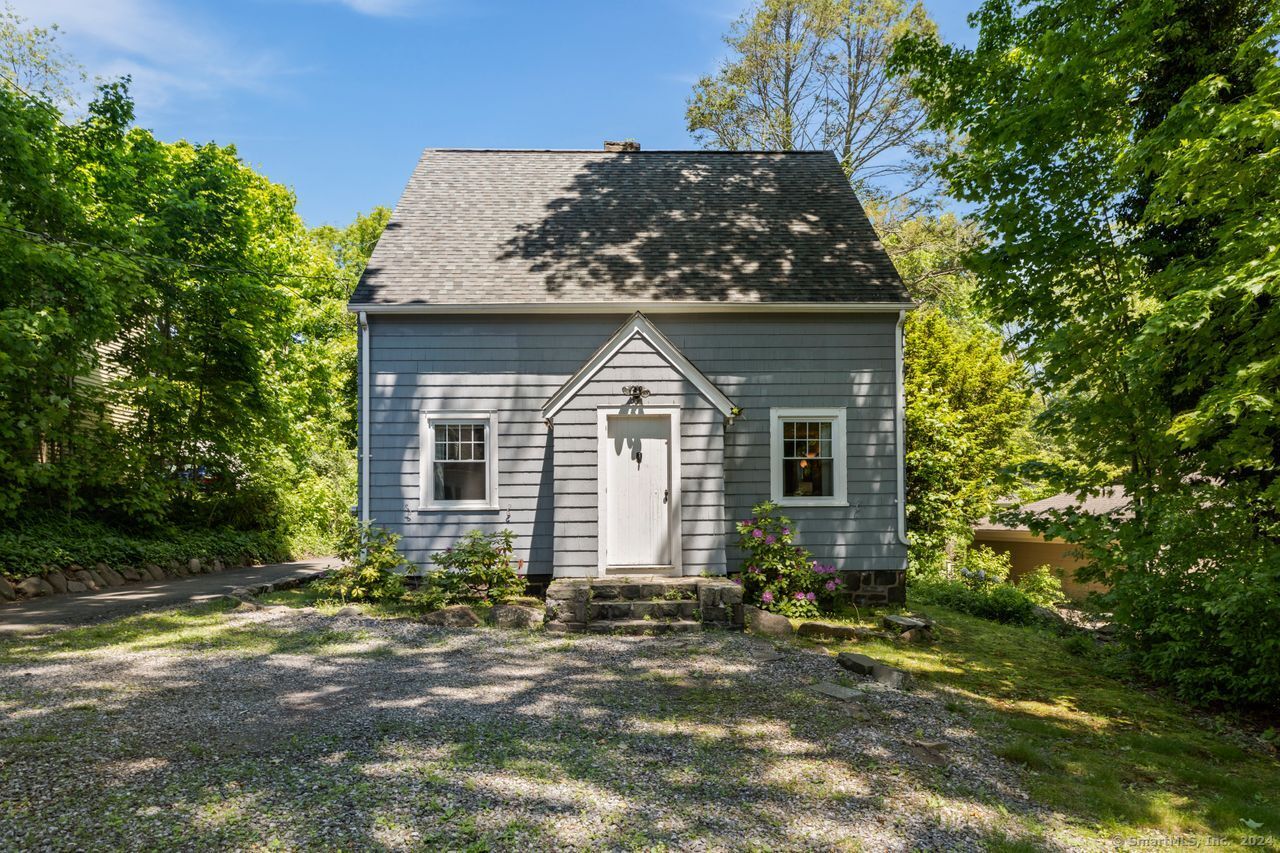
x=881 y=586
x=100 y=576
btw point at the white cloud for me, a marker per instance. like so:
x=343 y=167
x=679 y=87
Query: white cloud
x=379 y=8
x=172 y=56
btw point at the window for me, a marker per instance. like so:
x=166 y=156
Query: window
x=459 y=470
x=807 y=459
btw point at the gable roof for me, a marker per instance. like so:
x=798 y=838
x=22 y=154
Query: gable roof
x=1112 y=500
x=637 y=326
x=563 y=228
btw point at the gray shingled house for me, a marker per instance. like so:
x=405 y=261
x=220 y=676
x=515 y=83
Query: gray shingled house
x=617 y=353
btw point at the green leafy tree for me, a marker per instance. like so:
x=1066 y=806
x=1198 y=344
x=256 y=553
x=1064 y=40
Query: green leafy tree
x=1128 y=182
x=966 y=418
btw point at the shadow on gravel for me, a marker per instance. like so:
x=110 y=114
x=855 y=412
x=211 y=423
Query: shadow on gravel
x=302 y=730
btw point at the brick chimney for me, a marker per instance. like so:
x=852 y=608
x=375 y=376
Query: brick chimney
x=619 y=147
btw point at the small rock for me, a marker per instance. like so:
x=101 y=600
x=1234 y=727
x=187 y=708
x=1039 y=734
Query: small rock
x=57 y=580
x=83 y=577
x=928 y=752
x=836 y=691
x=241 y=592
x=348 y=611
x=110 y=575
x=861 y=664
x=148 y=811
x=765 y=623
x=517 y=616
x=915 y=635
x=7 y=592
x=898 y=624
x=33 y=586
x=99 y=582
x=193 y=566
x=828 y=631
x=76 y=586
x=457 y=616
x=131 y=574
x=156 y=573
x=887 y=675
x=217 y=565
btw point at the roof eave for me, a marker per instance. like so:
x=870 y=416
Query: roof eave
x=685 y=307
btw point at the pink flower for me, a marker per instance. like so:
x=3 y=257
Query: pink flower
x=766 y=597
x=800 y=596
x=811 y=597
x=770 y=539
x=831 y=586
x=757 y=533
x=786 y=531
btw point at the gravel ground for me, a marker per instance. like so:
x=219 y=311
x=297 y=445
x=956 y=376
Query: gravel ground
x=287 y=728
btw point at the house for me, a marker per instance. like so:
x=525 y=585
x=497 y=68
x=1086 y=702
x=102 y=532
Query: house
x=1028 y=551
x=617 y=353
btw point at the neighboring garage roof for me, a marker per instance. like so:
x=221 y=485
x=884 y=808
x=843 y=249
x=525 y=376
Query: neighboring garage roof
x=1110 y=500
x=559 y=228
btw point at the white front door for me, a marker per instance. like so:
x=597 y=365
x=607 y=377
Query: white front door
x=638 y=491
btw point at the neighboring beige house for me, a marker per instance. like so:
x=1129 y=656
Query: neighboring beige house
x=1028 y=551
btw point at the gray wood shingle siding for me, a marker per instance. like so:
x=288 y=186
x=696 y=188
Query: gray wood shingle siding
x=548 y=478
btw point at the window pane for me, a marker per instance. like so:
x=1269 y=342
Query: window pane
x=460 y=481
x=807 y=478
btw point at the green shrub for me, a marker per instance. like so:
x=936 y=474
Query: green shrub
x=1000 y=602
x=45 y=545
x=372 y=568
x=481 y=568
x=984 y=567
x=779 y=575
x=1042 y=586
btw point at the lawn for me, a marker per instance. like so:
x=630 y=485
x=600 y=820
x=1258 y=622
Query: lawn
x=303 y=725
x=1111 y=758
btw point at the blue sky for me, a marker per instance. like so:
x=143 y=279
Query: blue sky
x=337 y=98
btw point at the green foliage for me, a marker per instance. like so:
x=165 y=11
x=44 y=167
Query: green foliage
x=481 y=568
x=372 y=568
x=54 y=544
x=1129 y=185
x=1000 y=602
x=174 y=345
x=983 y=567
x=1042 y=586
x=779 y=575
x=966 y=416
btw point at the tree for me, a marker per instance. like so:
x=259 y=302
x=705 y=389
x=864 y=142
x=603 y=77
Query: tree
x=811 y=74
x=966 y=426
x=1128 y=181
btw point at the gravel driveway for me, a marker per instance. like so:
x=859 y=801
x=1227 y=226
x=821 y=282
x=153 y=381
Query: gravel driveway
x=287 y=728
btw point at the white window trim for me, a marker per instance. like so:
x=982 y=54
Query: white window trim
x=836 y=416
x=426 y=440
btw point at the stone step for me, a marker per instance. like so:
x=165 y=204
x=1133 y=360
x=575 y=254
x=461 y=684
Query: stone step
x=643 y=626
x=658 y=610
x=644 y=589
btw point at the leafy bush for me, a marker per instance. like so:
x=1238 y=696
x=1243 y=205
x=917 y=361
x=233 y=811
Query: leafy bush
x=779 y=575
x=481 y=568
x=1042 y=587
x=47 y=545
x=372 y=568
x=1000 y=602
x=983 y=567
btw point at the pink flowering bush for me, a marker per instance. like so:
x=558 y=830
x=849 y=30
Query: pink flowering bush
x=779 y=575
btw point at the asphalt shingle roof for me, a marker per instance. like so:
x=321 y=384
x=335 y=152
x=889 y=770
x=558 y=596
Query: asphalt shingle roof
x=559 y=227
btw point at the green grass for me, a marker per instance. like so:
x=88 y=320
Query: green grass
x=1114 y=758
x=200 y=626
